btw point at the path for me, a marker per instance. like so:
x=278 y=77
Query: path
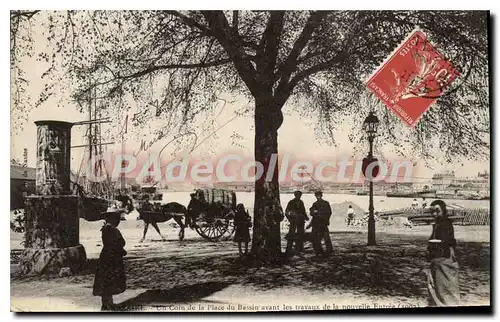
x=172 y=275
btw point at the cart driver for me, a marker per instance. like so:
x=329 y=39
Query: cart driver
x=193 y=210
x=146 y=204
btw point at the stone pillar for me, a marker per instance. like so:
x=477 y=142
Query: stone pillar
x=53 y=158
x=52 y=223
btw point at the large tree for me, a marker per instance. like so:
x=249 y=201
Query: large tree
x=316 y=61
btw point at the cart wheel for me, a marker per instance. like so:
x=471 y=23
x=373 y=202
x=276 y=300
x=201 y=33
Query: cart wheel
x=230 y=230
x=230 y=225
x=211 y=228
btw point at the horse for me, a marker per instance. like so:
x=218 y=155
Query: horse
x=156 y=213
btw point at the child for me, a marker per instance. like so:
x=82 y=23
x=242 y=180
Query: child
x=110 y=273
x=243 y=222
x=350 y=215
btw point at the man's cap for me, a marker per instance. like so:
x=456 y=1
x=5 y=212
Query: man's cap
x=318 y=193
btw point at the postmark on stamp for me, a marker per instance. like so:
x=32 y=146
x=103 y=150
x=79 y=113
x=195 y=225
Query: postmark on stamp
x=412 y=78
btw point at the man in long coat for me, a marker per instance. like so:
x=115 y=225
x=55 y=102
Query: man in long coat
x=296 y=214
x=321 y=212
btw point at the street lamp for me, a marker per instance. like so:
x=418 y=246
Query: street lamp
x=370 y=126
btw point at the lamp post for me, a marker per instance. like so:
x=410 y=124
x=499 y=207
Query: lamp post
x=370 y=126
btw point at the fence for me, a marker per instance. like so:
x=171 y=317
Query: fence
x=459 y=215
x=476 y=217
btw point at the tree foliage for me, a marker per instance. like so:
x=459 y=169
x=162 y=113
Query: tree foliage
x=177 y=64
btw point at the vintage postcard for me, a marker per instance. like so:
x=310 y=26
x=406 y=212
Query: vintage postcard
x=244 y=161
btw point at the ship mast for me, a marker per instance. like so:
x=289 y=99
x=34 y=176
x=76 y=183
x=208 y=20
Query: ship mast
x=94 y=146
x=122 y=175
x=90 y=127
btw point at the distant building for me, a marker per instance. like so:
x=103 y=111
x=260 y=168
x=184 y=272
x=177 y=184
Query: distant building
x=448 y=181
x=479 y=183
x=202 y=185
x=236 y=186
x=128 y=183
x=22 y=184
x=484 y=175
x=444 y=180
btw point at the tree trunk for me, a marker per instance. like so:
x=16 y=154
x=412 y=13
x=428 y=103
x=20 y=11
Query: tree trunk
x=266 y=241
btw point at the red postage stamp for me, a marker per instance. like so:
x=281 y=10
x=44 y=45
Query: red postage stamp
x=413 y=78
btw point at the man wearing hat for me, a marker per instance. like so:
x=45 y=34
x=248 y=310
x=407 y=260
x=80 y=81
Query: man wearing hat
x=321 y=212
x=295 y=212
x=193 y=210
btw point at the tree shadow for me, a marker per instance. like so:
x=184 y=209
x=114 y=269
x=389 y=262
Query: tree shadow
x=176 y=294
x=394 y=268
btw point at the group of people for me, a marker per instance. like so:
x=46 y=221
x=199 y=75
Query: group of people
x=297 y=216
x=443 y=285
x=320 y=212
x=416 y=204
x=442 y=275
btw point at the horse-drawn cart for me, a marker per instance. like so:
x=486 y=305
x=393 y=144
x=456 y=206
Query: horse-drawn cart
x=210 y=214
x=215 y=217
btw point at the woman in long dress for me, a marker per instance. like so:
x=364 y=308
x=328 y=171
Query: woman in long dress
x=443 y=282
x=242 y=222
x=110 y=276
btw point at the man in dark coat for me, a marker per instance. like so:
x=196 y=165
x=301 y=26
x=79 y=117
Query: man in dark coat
x=321 y=212
x=193 y=210
x=295 y=212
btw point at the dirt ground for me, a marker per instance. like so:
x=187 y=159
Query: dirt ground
x=195 y=274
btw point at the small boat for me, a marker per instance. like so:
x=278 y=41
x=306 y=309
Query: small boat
x=412 y=194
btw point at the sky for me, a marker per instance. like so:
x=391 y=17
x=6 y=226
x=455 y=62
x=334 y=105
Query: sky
x=224 y=132
x=233 y=135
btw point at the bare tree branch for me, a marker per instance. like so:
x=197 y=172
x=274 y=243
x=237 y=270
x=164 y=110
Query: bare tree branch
x=317 y=68
x=268 y=48
x=290 y=63
x=190 y=21
x=218 y=23
x=235 y=21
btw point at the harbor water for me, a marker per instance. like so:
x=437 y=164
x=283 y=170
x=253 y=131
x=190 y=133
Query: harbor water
x=381 y=203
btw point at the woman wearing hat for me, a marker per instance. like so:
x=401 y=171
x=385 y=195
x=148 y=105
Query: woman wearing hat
x=110 y=273
x=442 y=276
